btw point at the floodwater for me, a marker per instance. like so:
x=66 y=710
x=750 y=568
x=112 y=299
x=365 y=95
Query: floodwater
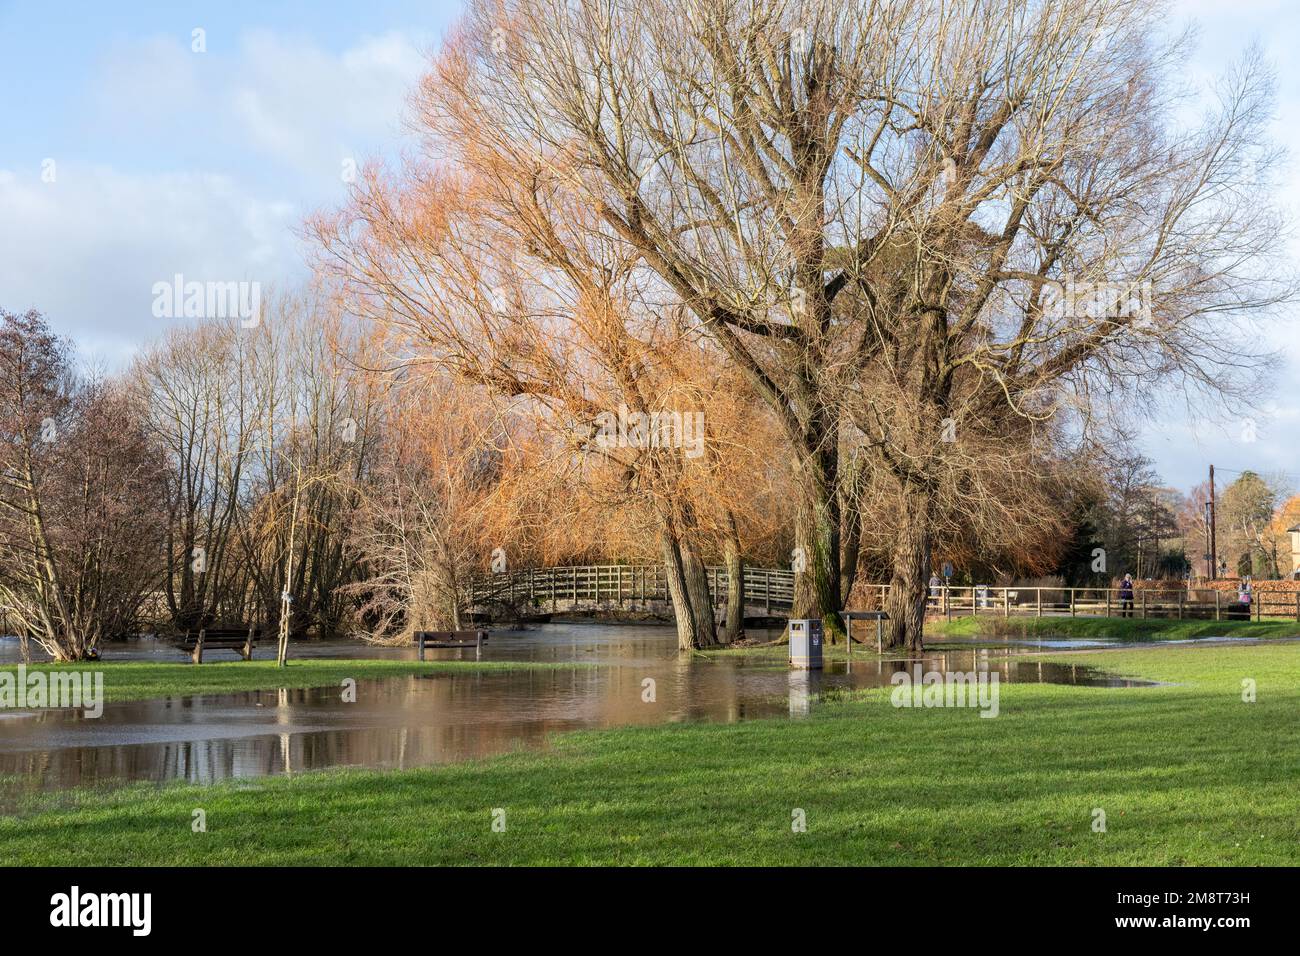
x=436 y=718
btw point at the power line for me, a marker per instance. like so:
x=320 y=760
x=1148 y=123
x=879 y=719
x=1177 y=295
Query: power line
x=1241 y=471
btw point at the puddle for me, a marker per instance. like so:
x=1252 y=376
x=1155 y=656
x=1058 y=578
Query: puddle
x=428 y=719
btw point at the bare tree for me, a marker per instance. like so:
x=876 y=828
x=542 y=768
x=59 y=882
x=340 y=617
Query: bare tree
x=80 y=538
x=964 y=212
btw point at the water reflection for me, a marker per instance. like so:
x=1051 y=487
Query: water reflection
x=436 y=718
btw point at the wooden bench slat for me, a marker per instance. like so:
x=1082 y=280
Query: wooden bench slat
x=219 y=638
x=445 y=639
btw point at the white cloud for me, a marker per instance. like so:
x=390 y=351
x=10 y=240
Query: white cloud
x=87 y=249
x=309 y=109
x=203 y=164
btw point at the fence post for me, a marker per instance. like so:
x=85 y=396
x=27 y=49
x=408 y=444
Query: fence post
x=1006 y=602
x=1217 y=606
x=1038 y=592
x=1108 y=602
x=767 y=591
x=1144 y=605
x=1071 y=602
x=1180 y=605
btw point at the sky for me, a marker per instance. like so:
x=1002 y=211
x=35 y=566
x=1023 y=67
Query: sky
x=128 y=154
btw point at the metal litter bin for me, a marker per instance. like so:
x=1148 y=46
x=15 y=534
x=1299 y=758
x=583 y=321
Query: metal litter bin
x=806 y=644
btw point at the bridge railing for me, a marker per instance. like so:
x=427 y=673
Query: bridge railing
x=773 y=590
x=619 y=584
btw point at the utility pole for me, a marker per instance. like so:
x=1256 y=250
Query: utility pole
x=1214 y=539
x=1209 y=560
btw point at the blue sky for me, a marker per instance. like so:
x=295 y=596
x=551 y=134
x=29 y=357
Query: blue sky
x=166 y=160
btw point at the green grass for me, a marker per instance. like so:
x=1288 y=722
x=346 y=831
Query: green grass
x=1186 y=774
x=1128 y=629
x=136 y=680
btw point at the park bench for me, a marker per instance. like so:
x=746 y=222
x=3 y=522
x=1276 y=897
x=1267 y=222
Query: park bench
x=880 y=617
x=437 y=639
x=219 y=638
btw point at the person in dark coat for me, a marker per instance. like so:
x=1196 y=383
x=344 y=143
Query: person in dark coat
x=1126 y=596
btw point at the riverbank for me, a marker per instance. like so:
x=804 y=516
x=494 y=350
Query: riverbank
x=136 y=680
x=1185 y=774
x=1116 y=628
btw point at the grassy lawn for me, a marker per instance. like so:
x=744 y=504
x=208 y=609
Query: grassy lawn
x=1186 y=774
x=1129 y=629
x=135 y=680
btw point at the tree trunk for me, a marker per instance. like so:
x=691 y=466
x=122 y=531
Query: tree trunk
x=685 y=574
x=852 y=539
x=735 y=628
x=907 y=591
x=816 y=561
x=697 y=585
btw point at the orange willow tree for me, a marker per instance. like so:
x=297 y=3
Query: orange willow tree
x=431 y=506
x=515 y=290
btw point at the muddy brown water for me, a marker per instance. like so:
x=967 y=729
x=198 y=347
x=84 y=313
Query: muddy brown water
x=411 y=721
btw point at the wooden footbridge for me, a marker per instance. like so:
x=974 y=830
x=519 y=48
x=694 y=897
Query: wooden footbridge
x=768 y=591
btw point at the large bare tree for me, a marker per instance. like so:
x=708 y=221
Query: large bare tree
x=81 y=538
x=930 y=217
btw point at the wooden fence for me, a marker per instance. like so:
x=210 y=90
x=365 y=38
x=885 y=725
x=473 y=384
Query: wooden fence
x=1179 y=603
